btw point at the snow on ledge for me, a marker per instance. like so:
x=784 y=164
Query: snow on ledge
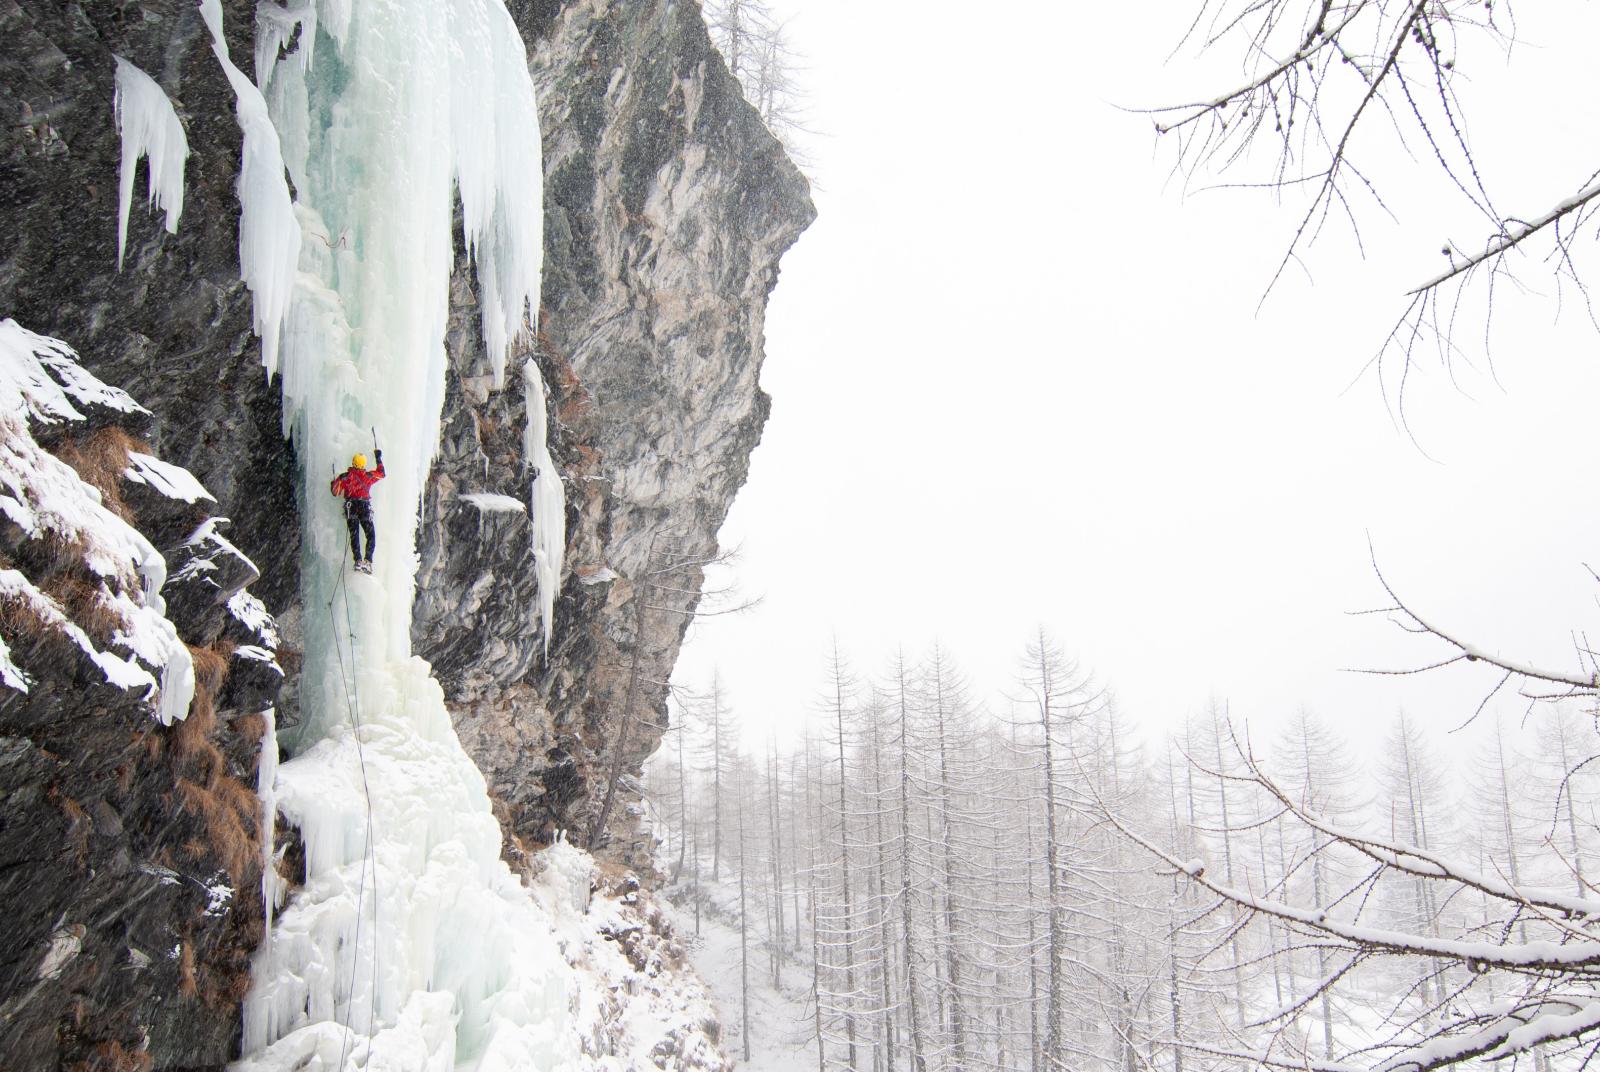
x=250 y=612
x=11 y=674
x=173 y=481
x=260 y=655
x=40 y=379
x=119 y=671
x=148 y=126
x=491 y=503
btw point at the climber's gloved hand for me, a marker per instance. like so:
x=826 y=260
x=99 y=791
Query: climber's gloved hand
x=379 y=453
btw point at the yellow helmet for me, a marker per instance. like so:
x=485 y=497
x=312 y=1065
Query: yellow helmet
x=359 y=461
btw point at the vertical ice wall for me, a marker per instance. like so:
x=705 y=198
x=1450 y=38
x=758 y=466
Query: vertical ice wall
x=411 y=945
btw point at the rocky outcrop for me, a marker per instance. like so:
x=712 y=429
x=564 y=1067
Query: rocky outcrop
x=173 y=327
x=668 y=206
x=130 y=851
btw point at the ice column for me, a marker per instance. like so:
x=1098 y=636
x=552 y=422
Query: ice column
x=549 y=500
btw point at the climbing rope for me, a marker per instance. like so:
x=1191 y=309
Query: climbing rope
x=366 y=792
x=352 y=699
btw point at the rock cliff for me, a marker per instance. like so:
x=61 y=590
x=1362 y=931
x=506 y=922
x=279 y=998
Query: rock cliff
x=668 y=206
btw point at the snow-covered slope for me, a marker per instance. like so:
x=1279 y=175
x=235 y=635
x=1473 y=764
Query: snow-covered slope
x=640 y=1005
x=137 y=680
x=42 y=495
x=780 y=1022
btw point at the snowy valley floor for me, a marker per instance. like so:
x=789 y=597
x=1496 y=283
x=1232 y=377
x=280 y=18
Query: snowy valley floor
x=780 y=1018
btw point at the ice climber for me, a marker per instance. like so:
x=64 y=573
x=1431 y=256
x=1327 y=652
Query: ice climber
x=355 y=484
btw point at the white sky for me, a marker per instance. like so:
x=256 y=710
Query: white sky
x=1019 y=377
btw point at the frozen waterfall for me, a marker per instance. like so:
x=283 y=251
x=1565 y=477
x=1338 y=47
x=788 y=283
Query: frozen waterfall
x=411 y=944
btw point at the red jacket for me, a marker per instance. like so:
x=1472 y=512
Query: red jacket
x=356 y=483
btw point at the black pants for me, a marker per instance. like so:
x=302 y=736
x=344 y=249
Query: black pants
x=358 y=519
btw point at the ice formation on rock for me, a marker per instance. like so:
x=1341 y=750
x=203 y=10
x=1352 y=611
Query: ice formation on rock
x=549 y=500
x=269 y=230
x=149 y=127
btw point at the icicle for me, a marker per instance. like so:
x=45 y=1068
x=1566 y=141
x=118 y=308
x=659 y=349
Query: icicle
x=148 y=126
x=334 y=17
x=549 y=500
x=177 y=665
x=275 y=30
x=269 y=232
x=499 y=171
x=272 y=884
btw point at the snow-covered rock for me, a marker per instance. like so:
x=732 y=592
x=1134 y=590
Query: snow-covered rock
x=130 y=725
x=640 y=1005
x=54 y=518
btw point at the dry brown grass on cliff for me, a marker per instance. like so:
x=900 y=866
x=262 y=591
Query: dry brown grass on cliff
x=113 y=1057
x=211 y=666
x=228 y=809
x=188 y=981
x=291 y=862
x=239 y=986
x=78 y=823
x=612 y=879
x=85 y=600
x=56 y=565
x=228 y=812
x=21 y=619
x=572 y=399
x=192 y=738
x=251 y=728
x=54 y=552
x=289 y=658
x=99 y=459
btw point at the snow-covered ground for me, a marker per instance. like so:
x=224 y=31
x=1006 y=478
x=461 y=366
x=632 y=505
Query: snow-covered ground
x=781 y=1025
x=637 y=1000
